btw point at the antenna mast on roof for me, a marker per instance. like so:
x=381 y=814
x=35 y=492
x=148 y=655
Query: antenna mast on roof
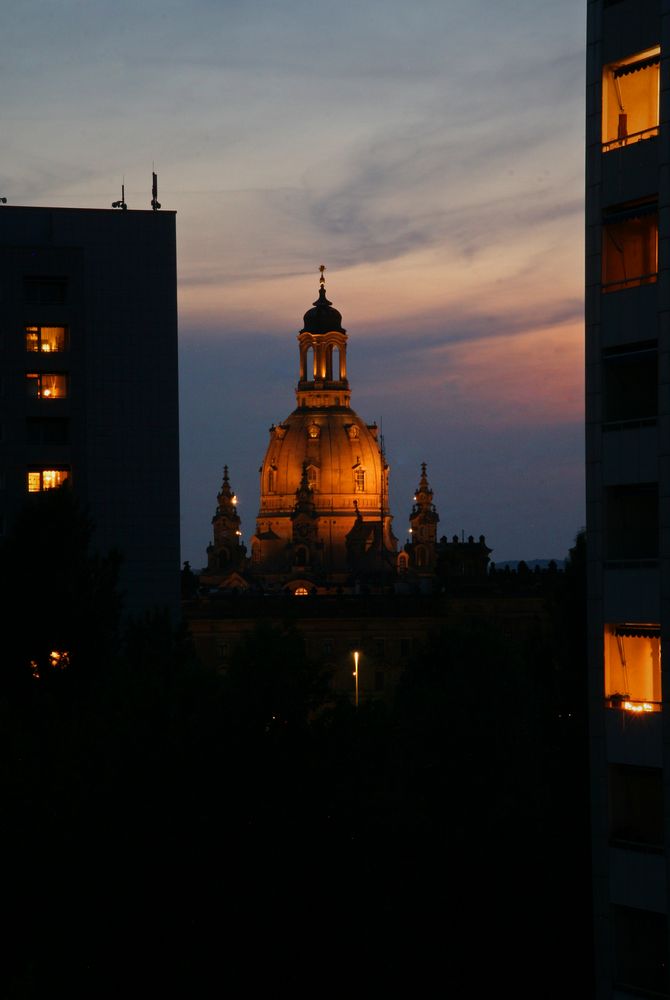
x=155 y=204
x=122 y=202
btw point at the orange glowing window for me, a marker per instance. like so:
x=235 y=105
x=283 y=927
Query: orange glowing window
x=46 y=479
x=40 y=385
x=359 y=480
x=633 y=667
x=630 y=247
x=301 y=592
x=46 y=339
x=630 y=108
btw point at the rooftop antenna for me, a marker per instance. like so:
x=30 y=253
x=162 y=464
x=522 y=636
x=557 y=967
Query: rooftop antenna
x=122 y=203
x=155 y=204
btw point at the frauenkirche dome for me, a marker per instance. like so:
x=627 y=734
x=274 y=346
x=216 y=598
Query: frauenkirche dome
x=324 y=517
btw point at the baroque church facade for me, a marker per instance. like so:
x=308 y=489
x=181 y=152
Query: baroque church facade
x=324 y=524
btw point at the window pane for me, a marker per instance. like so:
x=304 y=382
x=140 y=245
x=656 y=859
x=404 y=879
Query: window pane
x=633 y=667
x=636 y=805
x=34 y=482
x=46 y=479
x=631 y=521
x=631 y=100
x=49 y=339
x=45 y=430
x=641 y=949
x=53 y=338
x=630 y=385
x=46 y=385
x=53 y=477
x=32 y=338
x=630 y=252
x=44 y=291
x=54 y=386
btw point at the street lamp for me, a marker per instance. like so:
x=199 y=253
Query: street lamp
x=356 y=656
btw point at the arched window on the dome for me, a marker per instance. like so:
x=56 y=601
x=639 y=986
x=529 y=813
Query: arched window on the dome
x=337 y=364
x=312 y=477
x=403 y=562
x=272 y=480
x=333 y=363
x=301 y=592
x=359 y=480
x=420 y=556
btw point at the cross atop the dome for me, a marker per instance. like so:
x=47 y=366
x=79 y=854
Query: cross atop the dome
x=322 y=279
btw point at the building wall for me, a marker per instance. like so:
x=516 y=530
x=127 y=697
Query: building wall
x=628 y=499
x=118 y=275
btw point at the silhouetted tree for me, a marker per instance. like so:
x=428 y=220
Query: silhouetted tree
x=61 y=606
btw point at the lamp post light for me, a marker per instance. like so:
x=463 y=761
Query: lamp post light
x=356 y=657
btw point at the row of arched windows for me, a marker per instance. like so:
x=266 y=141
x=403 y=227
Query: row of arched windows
x=313 y=479
x=331 y=366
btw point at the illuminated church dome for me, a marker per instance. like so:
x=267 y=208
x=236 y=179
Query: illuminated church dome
x=324 y=518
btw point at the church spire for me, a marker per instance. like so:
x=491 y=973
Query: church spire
x=323 y=354
x=423 y=525
x=227 y=550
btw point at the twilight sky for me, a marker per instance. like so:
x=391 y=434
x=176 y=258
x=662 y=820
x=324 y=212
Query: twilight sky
x=430 y=155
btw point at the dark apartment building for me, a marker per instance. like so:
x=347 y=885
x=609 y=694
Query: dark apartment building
x=88 y=390
x=628 y=486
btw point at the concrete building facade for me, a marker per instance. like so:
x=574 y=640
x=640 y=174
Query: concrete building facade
x=88 y=313
x=628 y=487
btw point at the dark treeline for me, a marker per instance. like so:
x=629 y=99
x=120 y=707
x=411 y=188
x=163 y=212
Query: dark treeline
x=172 y=828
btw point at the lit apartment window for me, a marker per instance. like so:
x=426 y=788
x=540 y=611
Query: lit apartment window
x=633 y=667
x=636 y=806
x=46 y=479
x=631 y=521
x=46 y=386
x=49 y=339
x=630 y=383
x=630 y=247
x=631 y=99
